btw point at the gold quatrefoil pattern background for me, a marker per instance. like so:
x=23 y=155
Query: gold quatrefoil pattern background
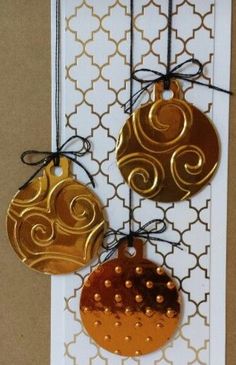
x=96 y=54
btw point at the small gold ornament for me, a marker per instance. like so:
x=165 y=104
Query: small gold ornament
x=137 y=312
x=55 y=224
x=168 y=149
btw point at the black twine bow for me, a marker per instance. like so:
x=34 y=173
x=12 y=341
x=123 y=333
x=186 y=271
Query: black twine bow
x=55 y=157
x=173 y=73
x=142 y=232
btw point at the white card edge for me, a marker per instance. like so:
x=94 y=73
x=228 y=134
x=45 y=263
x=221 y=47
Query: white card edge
x=219 y=206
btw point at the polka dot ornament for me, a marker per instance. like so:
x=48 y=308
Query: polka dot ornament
x=129 y=305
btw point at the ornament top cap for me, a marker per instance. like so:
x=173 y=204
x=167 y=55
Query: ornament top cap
x=159 y=89
x=137 y=244
x=64 y=170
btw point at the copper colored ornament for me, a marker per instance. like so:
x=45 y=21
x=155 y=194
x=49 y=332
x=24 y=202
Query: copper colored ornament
x=55 y=224
x=129 y=305
x=168 y=149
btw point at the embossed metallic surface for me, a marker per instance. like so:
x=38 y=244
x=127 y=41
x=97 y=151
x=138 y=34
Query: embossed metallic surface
x=129 y=305
x=168 y=149
x=55 y=224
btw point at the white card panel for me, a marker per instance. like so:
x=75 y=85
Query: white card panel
x=95 y=81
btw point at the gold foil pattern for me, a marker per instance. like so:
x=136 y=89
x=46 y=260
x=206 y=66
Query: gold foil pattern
x=55 y=224
x=168 y=149
x=138 y=312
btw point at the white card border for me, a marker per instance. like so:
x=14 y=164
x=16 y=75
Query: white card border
x=222 y=62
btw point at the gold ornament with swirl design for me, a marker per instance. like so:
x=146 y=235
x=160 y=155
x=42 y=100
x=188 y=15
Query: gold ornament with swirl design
x=55 y=224
x=168 y=149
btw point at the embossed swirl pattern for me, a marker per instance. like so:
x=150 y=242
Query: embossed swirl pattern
x=163 y=125
x=63 y=229
x=165 y=156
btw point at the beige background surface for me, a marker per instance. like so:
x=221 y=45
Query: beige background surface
x=25 y=123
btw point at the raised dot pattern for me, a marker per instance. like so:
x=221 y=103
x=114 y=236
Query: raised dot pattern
x=149 y=284
x=128 y=292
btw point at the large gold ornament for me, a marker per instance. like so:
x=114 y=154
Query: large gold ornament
x=168 y=149
x=55 y=224
x=129 y=305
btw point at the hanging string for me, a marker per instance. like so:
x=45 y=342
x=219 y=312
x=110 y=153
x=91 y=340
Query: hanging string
x=144 y=231
x=174 y=73
x=27 y=156
x=131 y=65
x=58 y=74
x=169 y=42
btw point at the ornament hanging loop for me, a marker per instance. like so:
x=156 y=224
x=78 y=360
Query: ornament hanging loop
x=137 y=244
x=159 y=89
x=143 y=232
x=175 y=73
x=26 y=157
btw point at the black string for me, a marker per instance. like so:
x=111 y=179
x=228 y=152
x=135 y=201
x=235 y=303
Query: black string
x=131 y=64
x=58 y=73
x=49 y=155
x=143 y=232
x=169 y=42
x=170 y=73
x=54 y=156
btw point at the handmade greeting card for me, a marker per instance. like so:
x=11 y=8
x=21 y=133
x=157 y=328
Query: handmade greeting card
x=140 y=107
